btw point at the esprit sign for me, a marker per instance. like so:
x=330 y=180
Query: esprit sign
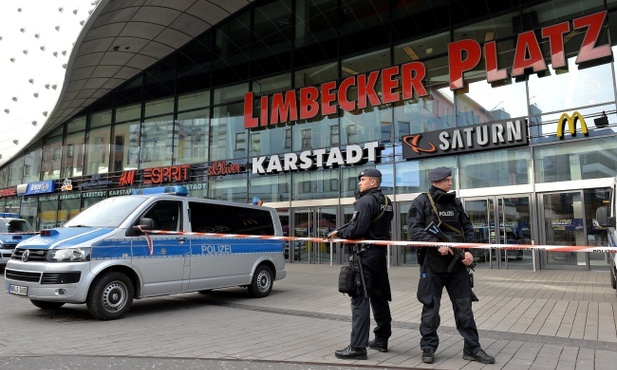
x=496 y=135
x=317 y=158
x=400 y=83
x=159 y=175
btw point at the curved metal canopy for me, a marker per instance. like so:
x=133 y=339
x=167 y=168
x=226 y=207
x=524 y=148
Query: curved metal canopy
x=122 y=39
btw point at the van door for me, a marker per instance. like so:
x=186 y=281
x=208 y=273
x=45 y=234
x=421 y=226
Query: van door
x=220 y=261
x=159 y=259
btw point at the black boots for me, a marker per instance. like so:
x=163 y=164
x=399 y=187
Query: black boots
x=480 y=356
x=378 y=345
x=428 y=356
x=351 y=353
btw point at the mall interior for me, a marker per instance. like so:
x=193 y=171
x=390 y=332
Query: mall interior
x=286 y=101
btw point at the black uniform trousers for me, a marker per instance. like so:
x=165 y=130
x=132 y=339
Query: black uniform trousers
x=459 y=290
x=377 y=301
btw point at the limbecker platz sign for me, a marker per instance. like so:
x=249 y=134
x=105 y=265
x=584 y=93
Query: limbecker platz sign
x=399 y=83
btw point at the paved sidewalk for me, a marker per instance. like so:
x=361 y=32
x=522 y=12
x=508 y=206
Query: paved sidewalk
x=527 y=320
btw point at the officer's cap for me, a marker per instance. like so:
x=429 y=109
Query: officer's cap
x=371 y=172
x=439 y=174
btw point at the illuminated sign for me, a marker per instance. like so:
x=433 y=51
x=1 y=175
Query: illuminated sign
x=317 y=158
x=8 y=192
x=95 y=180
x=400 y=83
x=571 y=121
x=396 y=83
x=40 y=187
x=222 y=168
x=496 y=135
x=67 y=185
x=159 y=175
x=127 y=178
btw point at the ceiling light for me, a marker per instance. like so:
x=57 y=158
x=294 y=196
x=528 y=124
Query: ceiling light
x=349 y=70
x=411 y=53
x=33 y=123
x=15 y=141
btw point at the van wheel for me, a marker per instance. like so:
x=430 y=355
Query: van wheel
x=47 y=305
x=261 y=285
x=110 y=296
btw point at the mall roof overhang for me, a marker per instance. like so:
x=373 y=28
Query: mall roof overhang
x=122 y=39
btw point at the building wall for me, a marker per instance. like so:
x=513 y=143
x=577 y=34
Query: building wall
x=183 y=121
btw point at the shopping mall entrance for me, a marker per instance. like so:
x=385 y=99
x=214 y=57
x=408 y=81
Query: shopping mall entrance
x=313 y=222
x=569 y=220
x=501 y=220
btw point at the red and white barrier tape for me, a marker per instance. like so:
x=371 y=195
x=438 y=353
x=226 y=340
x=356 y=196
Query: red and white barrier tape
x=518 y=247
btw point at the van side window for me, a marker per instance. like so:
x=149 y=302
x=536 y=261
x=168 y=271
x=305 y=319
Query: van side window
x=167 y=215
x=216 y=218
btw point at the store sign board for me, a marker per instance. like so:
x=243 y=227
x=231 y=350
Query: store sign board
x=400 y=83
x=571 y=121
x=489 y=136
x=317 y=158
x=8 y=192
x=40 y=187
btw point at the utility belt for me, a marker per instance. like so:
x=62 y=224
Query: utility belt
x=360 y=248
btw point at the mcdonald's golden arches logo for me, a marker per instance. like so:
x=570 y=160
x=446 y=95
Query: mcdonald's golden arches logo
x=571 y=120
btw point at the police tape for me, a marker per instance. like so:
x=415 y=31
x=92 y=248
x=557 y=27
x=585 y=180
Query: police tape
x=405 y=243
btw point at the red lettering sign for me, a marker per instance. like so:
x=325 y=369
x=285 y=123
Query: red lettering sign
x=330 y=96
x=400 y=83
x=221 y=168
x=159 y=175
x=127 y=178
x=8 y=192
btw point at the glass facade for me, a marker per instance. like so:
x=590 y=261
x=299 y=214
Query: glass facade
x=190 y=110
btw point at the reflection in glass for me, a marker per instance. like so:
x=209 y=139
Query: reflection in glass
x=566 y=92
x=495 y=168
x=579 y=160
x=228 y=125
x=156 y=142
x=191 y=137
x=97 y=151
x=125 y=146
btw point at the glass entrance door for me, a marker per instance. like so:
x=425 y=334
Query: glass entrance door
x=564 y=225
x=501 y=220
x=569 y=220
x=313 y=222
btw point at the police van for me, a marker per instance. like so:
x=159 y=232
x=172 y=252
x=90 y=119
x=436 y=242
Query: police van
x=13 y=230
x=155 y=242
x=606 y=216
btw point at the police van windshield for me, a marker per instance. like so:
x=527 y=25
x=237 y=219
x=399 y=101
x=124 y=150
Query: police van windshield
x=110 y=212
x=15 y=226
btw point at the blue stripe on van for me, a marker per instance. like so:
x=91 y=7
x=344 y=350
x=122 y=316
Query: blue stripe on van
x=65 y=237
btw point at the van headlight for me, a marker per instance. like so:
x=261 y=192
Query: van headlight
x=69 y=255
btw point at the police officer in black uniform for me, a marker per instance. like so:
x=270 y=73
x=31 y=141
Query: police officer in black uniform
x=435 y=262
x=373 y=213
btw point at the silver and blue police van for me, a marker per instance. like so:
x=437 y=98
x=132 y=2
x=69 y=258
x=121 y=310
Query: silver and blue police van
x=155 y=242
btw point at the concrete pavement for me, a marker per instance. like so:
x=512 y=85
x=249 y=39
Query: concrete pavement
x=549 y=319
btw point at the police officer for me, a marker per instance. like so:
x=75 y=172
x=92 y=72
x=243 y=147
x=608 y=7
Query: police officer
x=373 y=213
x=442 y=207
